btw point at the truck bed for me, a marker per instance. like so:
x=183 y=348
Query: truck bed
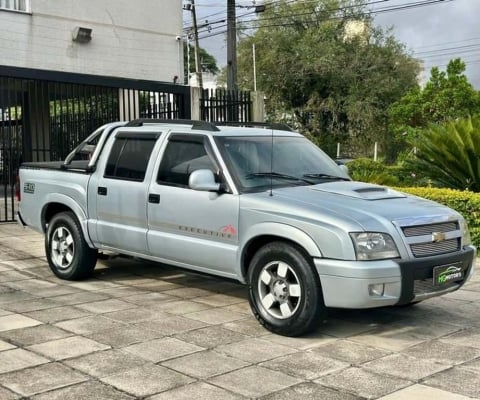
x=77 y=165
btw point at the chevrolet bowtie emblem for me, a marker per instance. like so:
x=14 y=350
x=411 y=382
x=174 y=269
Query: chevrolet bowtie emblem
x=438 y=237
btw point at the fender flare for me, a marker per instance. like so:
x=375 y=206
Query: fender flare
x=283 y=231
x=76 y=209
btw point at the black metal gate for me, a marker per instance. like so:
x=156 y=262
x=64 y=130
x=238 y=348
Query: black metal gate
x=44 y=115
x=221 y=105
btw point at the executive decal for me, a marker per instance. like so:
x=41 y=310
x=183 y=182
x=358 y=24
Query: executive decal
x=227 y=232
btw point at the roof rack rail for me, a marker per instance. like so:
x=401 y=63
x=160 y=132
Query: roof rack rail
x=266 y=125
x=201 y=125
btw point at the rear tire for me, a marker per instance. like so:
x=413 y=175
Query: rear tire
x=68 y=254
x=284 y=290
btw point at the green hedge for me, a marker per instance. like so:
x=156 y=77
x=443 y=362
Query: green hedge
x=466 y=203
x=367 y=170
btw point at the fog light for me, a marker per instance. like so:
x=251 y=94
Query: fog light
x=376 y=289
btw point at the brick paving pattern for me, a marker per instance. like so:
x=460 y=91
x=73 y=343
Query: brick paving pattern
x=150 y=331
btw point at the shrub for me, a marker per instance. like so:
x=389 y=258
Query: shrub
x=367 y=170
x=449 y=154
x=406 y=176
x=466 y=203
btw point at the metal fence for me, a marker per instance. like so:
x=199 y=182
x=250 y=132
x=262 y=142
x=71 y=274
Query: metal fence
x=12 y=126
x=221 y=105
x=44 y=115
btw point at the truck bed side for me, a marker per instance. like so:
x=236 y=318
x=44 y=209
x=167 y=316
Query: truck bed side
x=44 y=187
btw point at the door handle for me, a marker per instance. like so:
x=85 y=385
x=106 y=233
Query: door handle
x=102 y=191
x=154 y=198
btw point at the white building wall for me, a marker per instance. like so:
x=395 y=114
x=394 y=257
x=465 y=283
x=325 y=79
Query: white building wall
x=209 y=80
x=131 y=39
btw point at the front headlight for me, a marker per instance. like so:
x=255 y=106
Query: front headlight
x=373 y=246
x=465 y=233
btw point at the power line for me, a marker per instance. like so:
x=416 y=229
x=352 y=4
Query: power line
x=466 y=47
x=445 y=43
x=208 y=25
x=368 y=3
x=366 y=13
x=467 y=63
x=371 y=12
x=224 y=11
x=210 y=31
x=450 y=53
x=205 y=16
x=379 y=10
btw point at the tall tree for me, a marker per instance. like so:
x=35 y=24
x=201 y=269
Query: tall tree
x=446 y=96
x=326 y=69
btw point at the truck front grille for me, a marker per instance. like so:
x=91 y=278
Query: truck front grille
x=433 y=239
x=431 y=249
x=426 y=286
x=420 y=230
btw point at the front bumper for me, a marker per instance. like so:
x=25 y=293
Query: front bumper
x=345 y=284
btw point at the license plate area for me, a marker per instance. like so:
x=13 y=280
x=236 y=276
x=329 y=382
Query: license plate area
x=445 y=274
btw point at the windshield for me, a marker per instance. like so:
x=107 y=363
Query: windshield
x=296 y=161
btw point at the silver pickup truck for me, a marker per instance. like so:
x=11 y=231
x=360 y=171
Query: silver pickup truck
x=261 y=205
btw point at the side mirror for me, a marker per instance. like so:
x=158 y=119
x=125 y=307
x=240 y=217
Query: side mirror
x=344 y=168
x=203 y=180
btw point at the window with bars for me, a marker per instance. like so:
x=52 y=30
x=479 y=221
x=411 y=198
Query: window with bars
x=15 y=5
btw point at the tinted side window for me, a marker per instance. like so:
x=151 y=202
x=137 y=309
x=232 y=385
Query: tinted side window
x=182 y=156
x=129 y=158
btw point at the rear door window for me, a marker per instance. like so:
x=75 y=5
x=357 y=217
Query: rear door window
x=129 y=156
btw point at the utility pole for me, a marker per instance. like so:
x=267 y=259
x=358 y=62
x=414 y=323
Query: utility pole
x=254 y=68
x=198 y=68
x=231 y=46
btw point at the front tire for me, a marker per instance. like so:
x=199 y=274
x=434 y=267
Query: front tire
x=284 y=290
x=68 y=254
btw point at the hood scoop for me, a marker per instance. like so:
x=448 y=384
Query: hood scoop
x=359 y=190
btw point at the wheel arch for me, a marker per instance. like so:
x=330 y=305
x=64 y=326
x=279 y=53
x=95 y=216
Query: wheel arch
x=261 y=235
x=57 y=203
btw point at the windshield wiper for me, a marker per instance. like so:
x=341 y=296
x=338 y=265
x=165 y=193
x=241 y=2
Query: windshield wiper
x=326 y=176
x=277 y=175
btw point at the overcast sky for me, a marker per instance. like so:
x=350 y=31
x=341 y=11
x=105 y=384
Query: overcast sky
x=435 y=33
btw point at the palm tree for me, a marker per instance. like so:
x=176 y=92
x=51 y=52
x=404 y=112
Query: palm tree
x=449 y=154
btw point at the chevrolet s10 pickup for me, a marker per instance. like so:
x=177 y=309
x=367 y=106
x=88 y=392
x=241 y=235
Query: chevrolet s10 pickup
x=261 y=205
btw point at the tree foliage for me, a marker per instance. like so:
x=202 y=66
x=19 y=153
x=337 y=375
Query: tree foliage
x=207 y=61
x=335 y=86
x=447 y=95
x=449 y=154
